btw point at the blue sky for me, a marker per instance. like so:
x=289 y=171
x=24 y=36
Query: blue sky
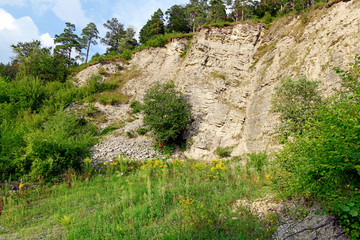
x=25 y=20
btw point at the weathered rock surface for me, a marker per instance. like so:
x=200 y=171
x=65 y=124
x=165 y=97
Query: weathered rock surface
x=297 y=221
x=229 y=74
x=138 y=148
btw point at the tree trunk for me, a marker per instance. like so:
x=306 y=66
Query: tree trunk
x=87 y=52
x=242 y=10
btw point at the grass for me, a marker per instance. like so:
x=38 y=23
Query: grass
x=156 y=199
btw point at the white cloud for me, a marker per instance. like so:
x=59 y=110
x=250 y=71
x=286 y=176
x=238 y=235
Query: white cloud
x=70 y=11
x=47 y=40
x=14 y=30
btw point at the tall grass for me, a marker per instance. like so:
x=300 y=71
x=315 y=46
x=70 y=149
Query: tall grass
x=157 y=199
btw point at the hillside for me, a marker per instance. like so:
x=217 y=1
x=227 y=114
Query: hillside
x=229 y=73
x=86 y=152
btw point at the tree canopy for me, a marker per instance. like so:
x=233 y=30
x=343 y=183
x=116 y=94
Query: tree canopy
x=114 y=35
x=67 y=41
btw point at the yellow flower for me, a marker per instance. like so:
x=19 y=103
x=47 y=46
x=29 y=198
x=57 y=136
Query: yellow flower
x=122 y=187
x=106 y=162
x=127 y=180
x=114 y=163
x=21 y=186
x=87 y=160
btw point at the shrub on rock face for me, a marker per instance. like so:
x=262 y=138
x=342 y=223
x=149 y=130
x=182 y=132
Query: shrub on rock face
x=166 y=112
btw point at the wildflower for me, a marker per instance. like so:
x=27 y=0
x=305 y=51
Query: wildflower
x=106 y=162
x=87 y=160
x=122 y=187
x=114 y=164
x=21 y=186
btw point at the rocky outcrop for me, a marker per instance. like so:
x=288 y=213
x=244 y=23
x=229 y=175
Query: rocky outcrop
x=229 y=73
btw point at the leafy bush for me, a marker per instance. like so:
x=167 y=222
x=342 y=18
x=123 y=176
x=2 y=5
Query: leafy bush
x=166 y=112
x=223 y=152
x=157 y=41
x=126 y=54
x=61 y=144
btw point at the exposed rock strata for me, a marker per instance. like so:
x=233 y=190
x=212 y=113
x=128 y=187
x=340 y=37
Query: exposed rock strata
x=229 y=74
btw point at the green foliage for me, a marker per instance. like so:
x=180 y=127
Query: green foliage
x=89 y=36
x=126 y=54
x=257 y=161
x=142 y=131
x=155 y=26
x=136 y=106
x=108 y=129
x=267 y=19
x=217 y=11
x=67 y=41
x=127 y=43
x=61 y=144
x=37 y=61
x=322 y=160
x=223 y=152
x=114 y=35
x=157 y=41
x=187 y=46
x=27 y=125
x=177 y=19
x=162 y=40
x=296 y=101
x=166 y=112
x=112 y=99
x=102 y=71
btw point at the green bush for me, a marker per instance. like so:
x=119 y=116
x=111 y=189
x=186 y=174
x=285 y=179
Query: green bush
x=157 y=41
x=126 y=54
x=257 y=161
x=223 y=152
x=61 y=144
x=166 y=111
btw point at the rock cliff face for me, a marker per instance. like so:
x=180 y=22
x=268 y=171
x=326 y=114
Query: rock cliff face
x=229 y=74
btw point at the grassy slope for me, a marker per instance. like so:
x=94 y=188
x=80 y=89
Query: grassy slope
x=156 y=201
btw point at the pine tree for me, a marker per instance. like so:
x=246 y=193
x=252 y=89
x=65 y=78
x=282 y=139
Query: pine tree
x=177 y=19
x=68 y=41
x=217 y=11
x=113 y=37
x=154 y=26
x=197 y=13
x=89 y=35
x=129 y=41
